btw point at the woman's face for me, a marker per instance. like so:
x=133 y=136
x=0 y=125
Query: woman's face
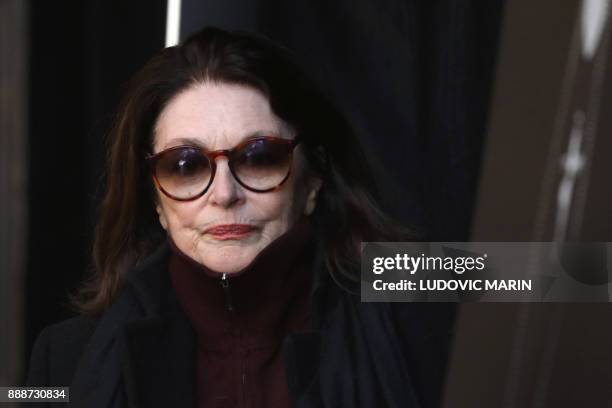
x=220 y=116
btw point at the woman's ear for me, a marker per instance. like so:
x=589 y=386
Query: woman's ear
x=162 y=217
x=311 y=198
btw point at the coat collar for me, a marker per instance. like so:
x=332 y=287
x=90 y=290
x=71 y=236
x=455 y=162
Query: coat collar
x=145 y=344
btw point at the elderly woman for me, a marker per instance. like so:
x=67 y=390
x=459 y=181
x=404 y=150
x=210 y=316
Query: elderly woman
x=227 y=251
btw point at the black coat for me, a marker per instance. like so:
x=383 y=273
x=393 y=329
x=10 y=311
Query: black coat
x=141 y=352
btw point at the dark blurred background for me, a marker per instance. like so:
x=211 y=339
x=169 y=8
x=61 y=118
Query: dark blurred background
x=81 y=54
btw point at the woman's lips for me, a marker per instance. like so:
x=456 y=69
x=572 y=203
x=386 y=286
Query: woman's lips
x=230 y=231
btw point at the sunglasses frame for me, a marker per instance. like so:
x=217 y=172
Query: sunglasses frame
x=152 y=159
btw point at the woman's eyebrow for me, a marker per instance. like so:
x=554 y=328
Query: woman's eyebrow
x=260 y=133
x=190 y=141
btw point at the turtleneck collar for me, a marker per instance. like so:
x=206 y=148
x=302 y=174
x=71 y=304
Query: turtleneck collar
x=265 y=300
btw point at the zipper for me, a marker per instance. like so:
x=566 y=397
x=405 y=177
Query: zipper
x=229 y=302
x=228 y=293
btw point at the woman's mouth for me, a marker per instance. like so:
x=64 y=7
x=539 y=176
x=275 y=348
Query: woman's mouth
x=230 y=231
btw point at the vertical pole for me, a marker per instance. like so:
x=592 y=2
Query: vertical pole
x=173 y=22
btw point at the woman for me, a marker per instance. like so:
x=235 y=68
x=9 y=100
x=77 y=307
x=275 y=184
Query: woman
x=227 y=251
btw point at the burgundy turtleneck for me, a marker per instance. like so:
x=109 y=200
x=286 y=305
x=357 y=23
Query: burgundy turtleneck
x=240 y=328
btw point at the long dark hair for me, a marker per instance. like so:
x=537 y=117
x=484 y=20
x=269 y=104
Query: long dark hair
x=128 y=229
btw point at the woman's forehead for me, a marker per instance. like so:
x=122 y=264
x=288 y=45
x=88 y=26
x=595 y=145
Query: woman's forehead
x=217 y=115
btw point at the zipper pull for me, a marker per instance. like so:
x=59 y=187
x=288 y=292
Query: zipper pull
x=228 y=294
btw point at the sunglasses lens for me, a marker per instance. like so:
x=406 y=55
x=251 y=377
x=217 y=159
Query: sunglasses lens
x=183 y=173
x=263 y=164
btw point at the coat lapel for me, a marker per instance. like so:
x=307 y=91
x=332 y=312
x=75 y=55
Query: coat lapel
x=142 y=353
x=159 y=348
x=301 y=352
x=159 y=368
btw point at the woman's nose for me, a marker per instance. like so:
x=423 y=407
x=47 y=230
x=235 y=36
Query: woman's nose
x=225 y=190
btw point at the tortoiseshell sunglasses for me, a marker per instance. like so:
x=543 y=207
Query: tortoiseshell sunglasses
x=260 y=164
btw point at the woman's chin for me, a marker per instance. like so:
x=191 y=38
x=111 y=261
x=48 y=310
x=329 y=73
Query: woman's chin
x=228 y=256
x=230 y=261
